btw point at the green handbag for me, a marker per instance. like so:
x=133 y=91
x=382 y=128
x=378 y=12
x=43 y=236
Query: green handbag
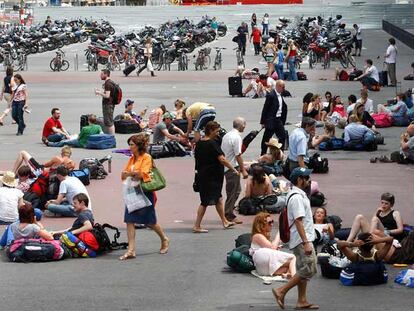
x=157 y=181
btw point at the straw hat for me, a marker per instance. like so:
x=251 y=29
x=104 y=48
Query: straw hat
x=274 y=142
x=9 y=179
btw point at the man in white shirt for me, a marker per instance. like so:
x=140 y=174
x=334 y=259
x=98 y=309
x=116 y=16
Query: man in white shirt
x=302 y=234
x=69 y=187
x=371 y=76
x=391 y=60
x=232 y=148
x=357 y=40
x=368 y=103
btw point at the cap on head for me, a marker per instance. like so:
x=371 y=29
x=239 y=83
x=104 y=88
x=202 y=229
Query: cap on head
x=168 y=115
x=128 y=102
x=299 y=172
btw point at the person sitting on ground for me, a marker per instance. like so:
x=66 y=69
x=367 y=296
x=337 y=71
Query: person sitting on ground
x=202 y=113
x=329 y=133
x=53 y=130
x=24 y=158
x=162 y=130
x=130 y=114
x=85 y=133
x=84 y=221
x=356 y=133
x=314 y=108
x=267 y=258
x=26 y=227
x=275 y=153
x=179 y=106
x=407 y=143
x=397 y=111
x=260 y=87
x=305 y=102
x=385 y=222
x=370 y=77
x=10 y=198
x=24 y=174
x=403 y=253
x=247 y=73
x=363 y=116
x=155 y=116
x=411 y=75
x=258 y=184
x=326 y=106
x=351 y=103
x=325 y=231
x=368 y=103
x=68 y=188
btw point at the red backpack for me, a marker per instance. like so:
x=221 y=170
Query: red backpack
x=284 y=228
x=382 y=119
x=343 y=76
x=40 y=185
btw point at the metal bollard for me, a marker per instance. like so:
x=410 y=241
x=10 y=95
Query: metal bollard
x=75 y=63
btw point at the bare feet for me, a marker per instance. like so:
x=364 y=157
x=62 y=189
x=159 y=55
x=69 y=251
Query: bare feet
x=164 y=246
x=229 y=225
x=307 y=306
x=280 y=299
x=199 y=230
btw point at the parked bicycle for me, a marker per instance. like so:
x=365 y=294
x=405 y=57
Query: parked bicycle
x=239 y=57
x=203 y=59
x=59 y=63
x=113 y=62
x=218 y=59
x=20 y=63
x=182 y=59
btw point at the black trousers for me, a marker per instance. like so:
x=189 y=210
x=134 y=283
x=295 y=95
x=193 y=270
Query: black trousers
x=277 y=129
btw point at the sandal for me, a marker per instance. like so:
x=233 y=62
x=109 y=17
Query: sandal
x=229 y=225
x=199 y=230
x=165 y=244
x=128 y=255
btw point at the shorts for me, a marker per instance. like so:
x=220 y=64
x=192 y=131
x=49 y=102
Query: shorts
x=205 y=116
x=35 y=167
x=108 y=114
x=305 y=265
x=358 y=44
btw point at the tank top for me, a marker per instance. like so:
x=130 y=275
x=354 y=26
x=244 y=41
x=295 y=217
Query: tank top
x=388 y=221
x=7 y=87
x=367 y=259
x=292 y=53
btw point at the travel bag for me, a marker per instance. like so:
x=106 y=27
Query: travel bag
x=126 y=127
x=34 y=250
x=83 y=175
x=235 y=86
x=101 y=141
x=383 y=78
x=129 y=69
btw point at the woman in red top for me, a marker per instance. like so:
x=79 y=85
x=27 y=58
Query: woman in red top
x=291 y=59
x=257 y=38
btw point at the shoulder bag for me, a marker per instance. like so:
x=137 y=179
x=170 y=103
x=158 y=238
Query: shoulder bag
x=157 y=180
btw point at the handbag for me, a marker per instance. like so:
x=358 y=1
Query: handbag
x=196 y=184
x=157 y=180
x=134 y=198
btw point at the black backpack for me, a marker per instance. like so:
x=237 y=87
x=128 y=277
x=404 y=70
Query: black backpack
x=243 y=239
x=318 y=164
x=117 y=94
x=96 y=169
x=105 y=243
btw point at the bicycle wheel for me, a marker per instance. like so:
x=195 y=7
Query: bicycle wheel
x=65 y=65
x=206 y=62
x=220 y=61
x=312 y=59
x=343 y=60
x=351 y=59
x=53 y=65
x=326 y=61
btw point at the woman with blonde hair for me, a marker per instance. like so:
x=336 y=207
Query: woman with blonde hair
x=147 y=58
x=267 y=258
x=179 y=106
x=270 y=53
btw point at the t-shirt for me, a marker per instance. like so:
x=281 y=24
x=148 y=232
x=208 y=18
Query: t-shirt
x=9 y=203
x=19 y=94
x=369 y=105
x=82 y=217
x=108 y=86
x=392 y=55
x=373 y=73
x=29 y=231
x=49 y=124
x=87 y=131
x=355 y=131
x=158 y=135
x=195 y=109
x=256 y=34
x=401 y=112
x=299 y=206
x=298 y=144
x=409 y=153
x=231 y=146
x=71 y=186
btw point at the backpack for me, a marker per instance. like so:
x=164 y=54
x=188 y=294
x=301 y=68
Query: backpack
x=240 y=262
x=247 y=207
x=382 y=119
x=317 y=199
x=40 y=185
x=83 y=175
x=117 y=95
x=284 y=228
x=76 y=246
x=96 y=168
x=53 y=187
x=244 y=239
x=336 y=221
x=318 y=164
x=104 y=242
x=34 y=250
x=343 y=76
x=364 y=273
x=332 y=144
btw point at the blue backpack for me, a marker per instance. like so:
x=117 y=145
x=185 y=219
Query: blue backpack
x=364 y=273
x=332 y=144
x=101 y=141
x=83 y=175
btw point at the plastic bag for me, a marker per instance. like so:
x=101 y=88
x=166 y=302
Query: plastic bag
x=134 y=198
x=405 y=277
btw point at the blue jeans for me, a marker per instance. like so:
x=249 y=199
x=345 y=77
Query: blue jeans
x=265 y=30
x=55 y=137
x=292 y=69
x=64 y=209
x=66 y=142
x=368 y=82
x=279 y=70
x=17 y=115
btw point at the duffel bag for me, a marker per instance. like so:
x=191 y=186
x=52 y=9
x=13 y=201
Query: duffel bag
x=127 y=127
x=101 y=141
x=382 y=119
x=35 y=250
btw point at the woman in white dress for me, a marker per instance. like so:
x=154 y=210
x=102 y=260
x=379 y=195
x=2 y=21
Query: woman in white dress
x=267 y=257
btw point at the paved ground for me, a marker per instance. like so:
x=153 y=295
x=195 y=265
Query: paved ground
x=191 y=275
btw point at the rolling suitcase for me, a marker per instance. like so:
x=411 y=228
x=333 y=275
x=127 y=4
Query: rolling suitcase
x=129 y=69
x=235 y=86
x=383 y=78
x=126 y=127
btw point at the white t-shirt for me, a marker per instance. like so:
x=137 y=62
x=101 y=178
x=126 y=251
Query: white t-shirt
x=231 y=146
x=392 y=55
x=373 y=72
x=71 y=186
x=9 y=203
x=299 y=206
x=369 y=105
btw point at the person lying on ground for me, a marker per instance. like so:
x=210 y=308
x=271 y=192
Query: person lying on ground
x=69 y=187
x=267 y=257
x=385 y=222
x=398 y=110
x=258 y=184
x=356 y=132
x=329 y=132
x=325 y=231
x=269 y=160
x=162 y=131
x=25 y=178
x=84 y=221
x=24 y=158
x=259 y=87
x=82 y=139
x=53 y=129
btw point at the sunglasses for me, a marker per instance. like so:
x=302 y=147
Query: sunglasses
x=270 y=222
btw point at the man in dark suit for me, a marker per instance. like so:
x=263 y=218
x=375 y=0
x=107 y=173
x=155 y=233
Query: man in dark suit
x=274 y=115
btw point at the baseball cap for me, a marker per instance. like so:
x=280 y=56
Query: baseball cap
x=128 y=101
x=168 y=115
x=298 y=172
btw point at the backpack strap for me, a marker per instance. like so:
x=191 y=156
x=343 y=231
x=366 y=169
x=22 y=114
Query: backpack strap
x=287 y=204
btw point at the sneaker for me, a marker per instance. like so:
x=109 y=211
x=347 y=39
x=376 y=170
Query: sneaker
x=48 y=213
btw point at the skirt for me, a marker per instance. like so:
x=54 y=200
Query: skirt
x=144 y=216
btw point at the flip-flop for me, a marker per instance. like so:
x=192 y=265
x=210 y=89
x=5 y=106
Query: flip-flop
x=308 y=307
x=200 y=230
x=279 y=301
x=229 y=225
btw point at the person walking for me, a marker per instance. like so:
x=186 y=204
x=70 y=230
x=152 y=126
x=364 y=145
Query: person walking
x=291 y=59
x=302 y=234
x=6 y=92
x=273 y=116
x=108 y=105
x=147 y=58
x=357 y=36
x=257 y=38
x=253 y=20
x=391 y=60
x=19 y=103
x=231 y=146
x=139 y=168
x=270 y=51
x=242 y=34
x=209 y=164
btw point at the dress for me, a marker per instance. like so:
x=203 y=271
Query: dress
x=210 y=171
x=146 y=215
x=266 y=260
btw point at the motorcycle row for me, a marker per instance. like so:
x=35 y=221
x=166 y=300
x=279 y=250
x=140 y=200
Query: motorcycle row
x=17 y=42
x=171 y=41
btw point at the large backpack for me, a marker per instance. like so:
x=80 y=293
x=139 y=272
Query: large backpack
x=96 y=169
x=364 y=273
x=238 y=260
x=382 y=119
x=318 y=164
x=40 y=185
x=117 y=94
x=101 y=141
x=284 y=228
x=35 y=250
x=104 y=242
x=83 y=175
